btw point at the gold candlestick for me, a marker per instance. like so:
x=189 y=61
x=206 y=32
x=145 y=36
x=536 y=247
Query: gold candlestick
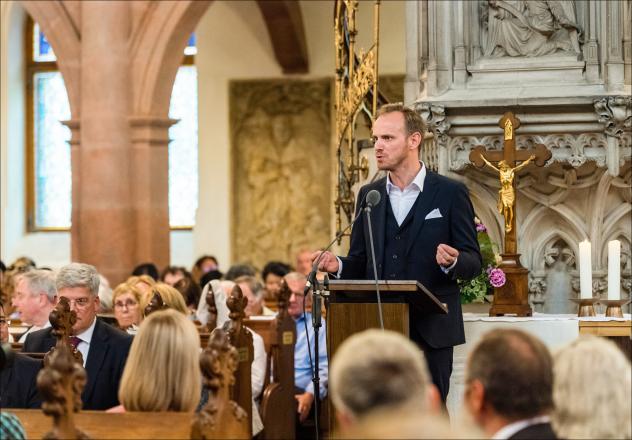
x=586 y=306
x=613 y=307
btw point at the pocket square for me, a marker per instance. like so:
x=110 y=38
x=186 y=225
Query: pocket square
x=435 y=213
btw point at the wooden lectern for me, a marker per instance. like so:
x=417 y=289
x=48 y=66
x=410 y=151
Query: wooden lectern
x=353 y=307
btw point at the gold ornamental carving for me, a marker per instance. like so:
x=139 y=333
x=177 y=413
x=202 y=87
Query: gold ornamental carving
x=356 y=93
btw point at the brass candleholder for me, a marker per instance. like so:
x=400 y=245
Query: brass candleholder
x=613 y=307
x=586 y=306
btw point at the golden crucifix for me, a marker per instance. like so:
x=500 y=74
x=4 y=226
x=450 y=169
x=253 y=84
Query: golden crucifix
x=509 y=161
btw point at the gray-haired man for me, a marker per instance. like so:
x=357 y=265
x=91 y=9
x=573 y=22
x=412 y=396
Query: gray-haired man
x=104 y=348
x=35 y=297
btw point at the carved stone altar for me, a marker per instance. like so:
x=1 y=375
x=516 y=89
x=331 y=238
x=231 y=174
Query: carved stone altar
x=571 y=92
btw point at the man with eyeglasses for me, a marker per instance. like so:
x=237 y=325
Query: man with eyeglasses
x=104 y=348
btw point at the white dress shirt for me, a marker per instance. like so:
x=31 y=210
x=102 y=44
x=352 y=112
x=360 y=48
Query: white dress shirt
x=508 y=430
x=403 y=200
x=86 y=338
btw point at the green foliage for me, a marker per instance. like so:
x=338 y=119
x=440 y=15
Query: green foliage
x=474 y=290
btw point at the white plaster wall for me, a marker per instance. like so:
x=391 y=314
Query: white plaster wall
x=46 y=248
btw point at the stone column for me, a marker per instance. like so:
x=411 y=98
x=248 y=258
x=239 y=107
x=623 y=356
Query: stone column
x=104 y=230
x=614 y=43
x=591 y=50
x=150 y=187
x=460 y=74
x=75 y=142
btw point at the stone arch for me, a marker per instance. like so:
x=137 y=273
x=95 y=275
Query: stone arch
x=532 y=224
x=156 y=49
x=57 y=20
x=484 y=202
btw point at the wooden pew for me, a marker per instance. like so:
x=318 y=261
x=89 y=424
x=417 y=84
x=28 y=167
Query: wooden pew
x=101 y=425
x=63 y=378
x=241 y=339
x=278 y=405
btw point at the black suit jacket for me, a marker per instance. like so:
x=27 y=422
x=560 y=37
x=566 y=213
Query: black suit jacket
x=18 y=383
x=455 y=228
x=539 y=431
x=108 y=352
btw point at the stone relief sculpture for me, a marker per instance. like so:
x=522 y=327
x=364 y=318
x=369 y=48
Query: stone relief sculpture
x=531 y=28
x=281 y=166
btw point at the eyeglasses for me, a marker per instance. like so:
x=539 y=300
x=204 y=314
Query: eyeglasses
x=80 y=303
x=129 y=304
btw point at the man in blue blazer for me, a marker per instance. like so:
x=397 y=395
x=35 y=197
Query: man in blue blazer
x=104 y=348
x=423 y=230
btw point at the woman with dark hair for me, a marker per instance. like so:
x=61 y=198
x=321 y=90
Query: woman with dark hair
x=204 y=265
x=272 y=275
x=172 y=274
x=146 y=269
x=190 y=291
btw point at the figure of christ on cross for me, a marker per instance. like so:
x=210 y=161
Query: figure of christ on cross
x=506 y=193
x=509 y=161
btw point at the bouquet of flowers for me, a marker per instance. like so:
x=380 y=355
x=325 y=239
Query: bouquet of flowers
x=474 y=290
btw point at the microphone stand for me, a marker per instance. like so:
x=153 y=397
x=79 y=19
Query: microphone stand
x=377 y=287
x=316 y=323
x=313 y=283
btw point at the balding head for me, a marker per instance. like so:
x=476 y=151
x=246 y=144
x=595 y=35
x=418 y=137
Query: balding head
x=378 y=370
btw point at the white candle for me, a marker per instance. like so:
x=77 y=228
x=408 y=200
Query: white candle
x=614 y=270
x=585 y=270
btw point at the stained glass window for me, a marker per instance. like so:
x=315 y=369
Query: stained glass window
x=191 y=49
x=41 y=49
x=52 y=151
x=183 y=149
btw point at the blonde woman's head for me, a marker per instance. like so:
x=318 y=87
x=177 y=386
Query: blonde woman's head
x=592 y=390
x=170 y=296
x=162 y=372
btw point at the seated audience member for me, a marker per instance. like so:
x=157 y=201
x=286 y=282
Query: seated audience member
x=304 y=386
x=272 y=275
x=128 y=309
x=163 y=369
x=172 y=274
x=239 y=270
x=380 y=371
x=509 y=386
x=592 y=391
x=104 y=348
x=18 y=376
x=190 y=292
x=146 y=269
x=253 y=290
x=204 y=265
x=3 y=269
x=34 y=298
x=105 y=295
x=304 y=261
x=222 y=290
x=143 y=282
x=170 y=296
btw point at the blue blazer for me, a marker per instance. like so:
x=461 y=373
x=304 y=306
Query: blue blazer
x=455 y=228
x=108 y=352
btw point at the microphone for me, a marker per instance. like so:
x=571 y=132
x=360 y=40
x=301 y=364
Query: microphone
x=372 y=199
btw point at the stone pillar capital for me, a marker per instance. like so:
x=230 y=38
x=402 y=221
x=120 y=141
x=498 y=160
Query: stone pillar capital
x=152 y=130
x=615 y=113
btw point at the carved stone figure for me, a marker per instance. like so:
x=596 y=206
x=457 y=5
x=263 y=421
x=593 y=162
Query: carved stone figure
x=531 y=28
x=506 y=193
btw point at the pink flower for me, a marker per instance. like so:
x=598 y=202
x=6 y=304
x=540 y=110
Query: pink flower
x=497 y=277
x=480 y=227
